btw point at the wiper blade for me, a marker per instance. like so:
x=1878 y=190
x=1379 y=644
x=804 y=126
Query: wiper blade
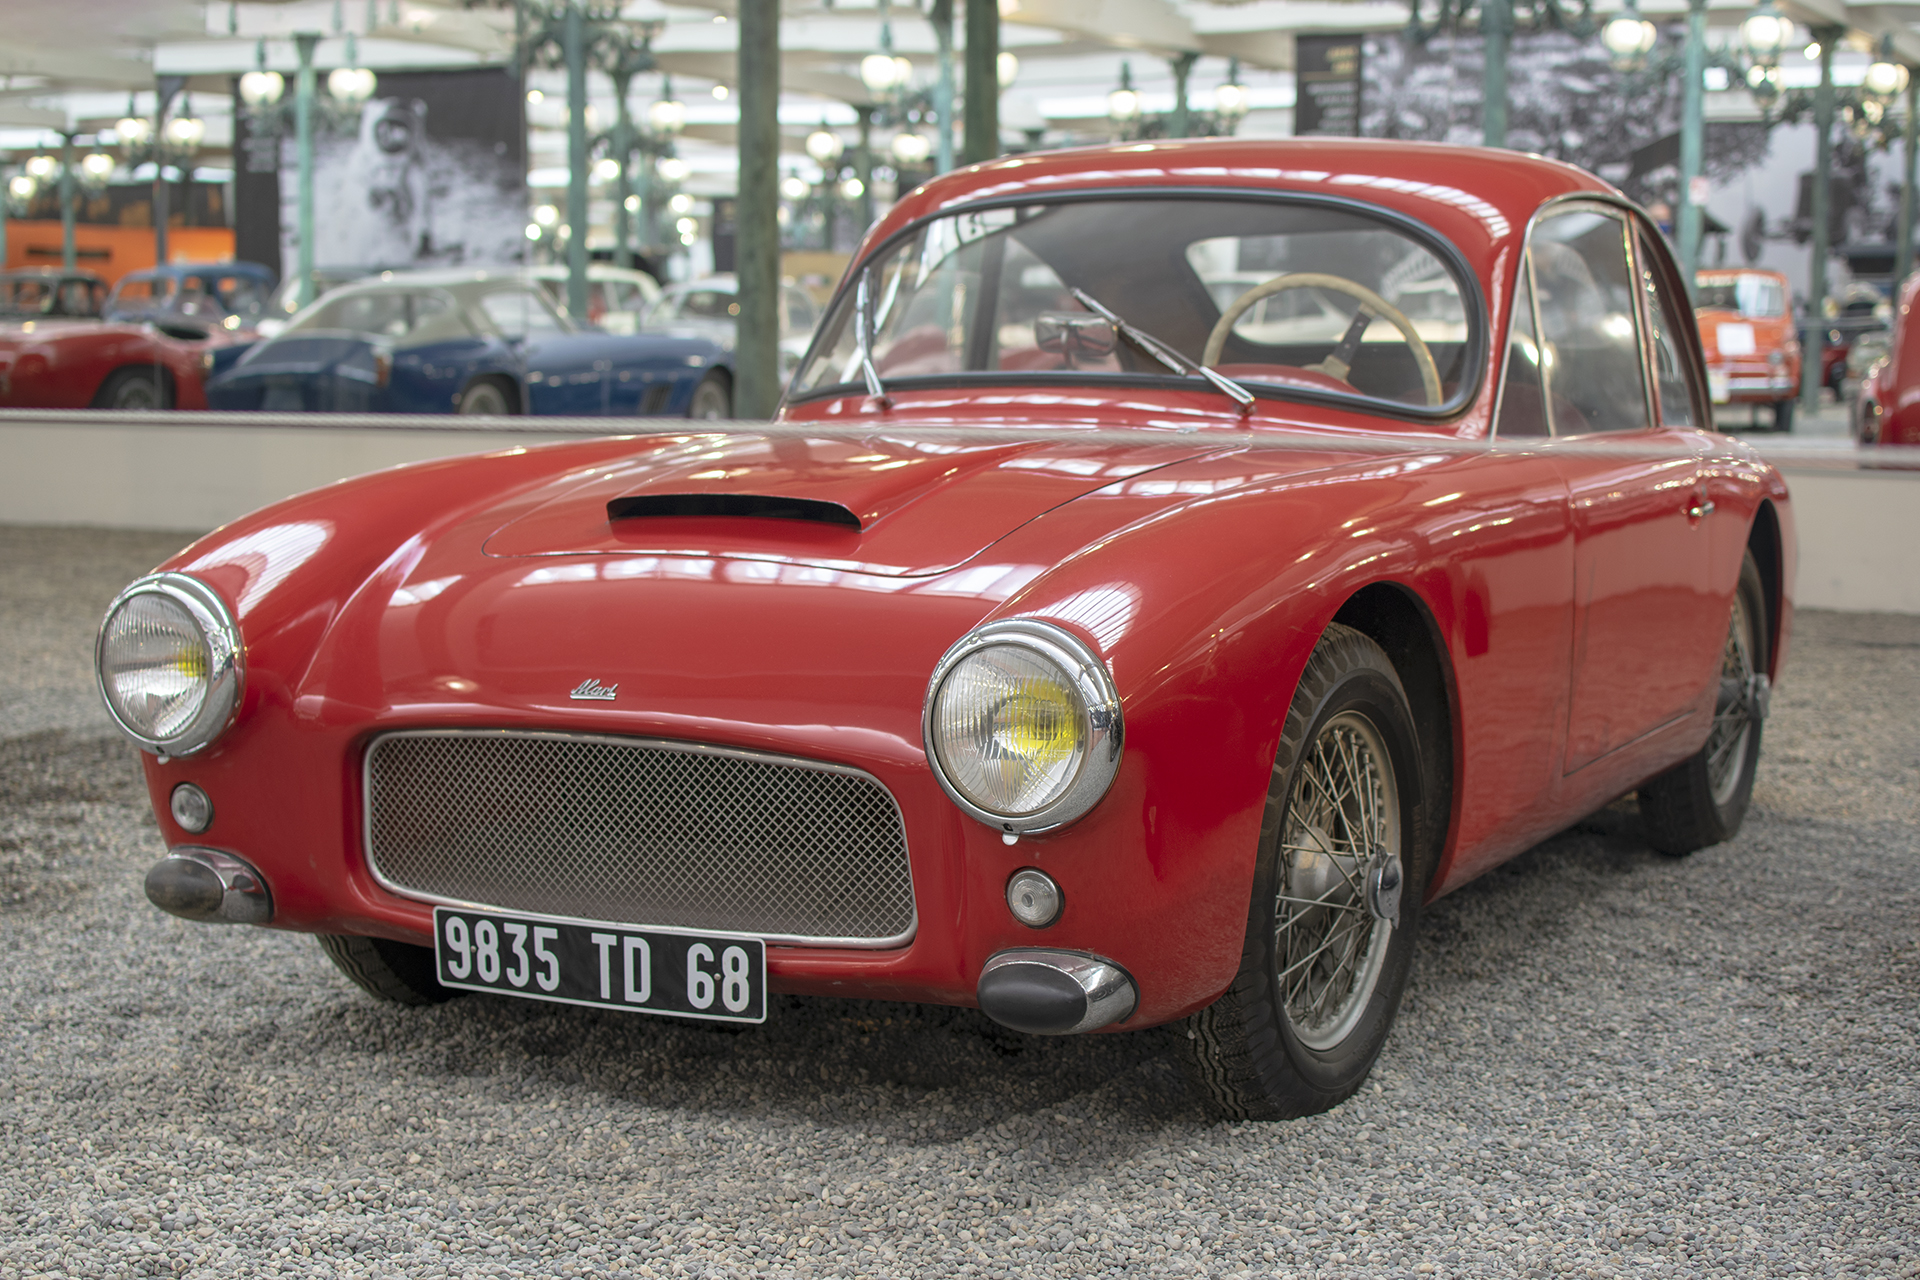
x=863 y=337
x=1165 y=354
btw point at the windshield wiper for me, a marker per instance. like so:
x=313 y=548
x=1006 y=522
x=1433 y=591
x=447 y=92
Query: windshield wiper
x=863 y=337
x=1165 y=354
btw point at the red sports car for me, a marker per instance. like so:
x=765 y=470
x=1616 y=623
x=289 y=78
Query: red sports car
x=1888 y=408
x=1172 y=567
x=108 y=364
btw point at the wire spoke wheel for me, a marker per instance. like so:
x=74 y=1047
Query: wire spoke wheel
x=1733 y=722
x=1702 y=800
x=1347 y=840
x=1329 y=948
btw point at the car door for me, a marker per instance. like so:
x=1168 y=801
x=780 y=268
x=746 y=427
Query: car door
x=1625 y=439
x=562 y=375
x=1508 y=536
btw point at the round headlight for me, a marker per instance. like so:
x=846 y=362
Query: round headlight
x=1022 y=726
x=169 y=663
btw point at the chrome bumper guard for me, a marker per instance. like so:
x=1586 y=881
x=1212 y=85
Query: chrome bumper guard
x=210 y=886
x=1055 y=993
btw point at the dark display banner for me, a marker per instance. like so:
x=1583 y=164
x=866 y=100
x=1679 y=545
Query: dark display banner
x=1327 y=85
x=429 y=172
x=256 y=191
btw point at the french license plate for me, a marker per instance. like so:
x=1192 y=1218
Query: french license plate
x=680 y=974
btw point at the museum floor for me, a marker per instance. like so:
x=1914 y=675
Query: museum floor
x=1610 y=1063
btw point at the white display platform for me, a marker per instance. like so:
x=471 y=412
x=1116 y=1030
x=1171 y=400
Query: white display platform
x=1859 y=529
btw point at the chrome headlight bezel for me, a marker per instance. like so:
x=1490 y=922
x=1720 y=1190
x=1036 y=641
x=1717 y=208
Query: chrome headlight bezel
x=226 y=663
x=1085 y=674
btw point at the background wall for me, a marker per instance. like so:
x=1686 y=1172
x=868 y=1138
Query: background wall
x=165 y=471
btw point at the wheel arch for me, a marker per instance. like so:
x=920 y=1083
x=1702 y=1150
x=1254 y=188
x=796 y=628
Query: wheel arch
x=1764 y=541
x=1399 y=621
x=169 y=383
x=508 y=384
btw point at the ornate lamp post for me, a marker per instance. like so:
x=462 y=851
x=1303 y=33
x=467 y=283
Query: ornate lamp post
x=1230 y=99
x=1893 y=79
x=1123 y=104
x=826 y=148
x=263 y=97
x=1629 y=38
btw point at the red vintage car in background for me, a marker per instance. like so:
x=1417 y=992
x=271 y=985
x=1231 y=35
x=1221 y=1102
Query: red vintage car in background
x=1746 y=329
x=45 y=293
x=1173 y=566
x=167 y=330
x=1887 y=410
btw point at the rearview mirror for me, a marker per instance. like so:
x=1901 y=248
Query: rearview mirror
x=1073 y=334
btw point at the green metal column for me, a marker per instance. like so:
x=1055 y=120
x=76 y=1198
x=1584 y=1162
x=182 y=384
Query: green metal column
x=863 y=167
x=164 y=89
x=1688 y=215
x=67 y=256
x=1181 y=125
x=622 y=184
x=573 y=41
x=1812 y=360
x=941 y=16
x=1496 y=34
x=1903 y=247
x=757 y=227
x=304 y=44
x=983 y=82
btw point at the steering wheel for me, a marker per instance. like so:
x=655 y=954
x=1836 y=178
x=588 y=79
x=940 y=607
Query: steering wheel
x=1339 y=361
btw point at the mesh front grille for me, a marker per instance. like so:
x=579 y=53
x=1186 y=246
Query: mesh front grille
x=640 y=832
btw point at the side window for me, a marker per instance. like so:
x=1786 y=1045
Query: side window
x=1590 y=339
x=800 y=317
x=1669 y=368
x=1523 y=399
x=519 y=314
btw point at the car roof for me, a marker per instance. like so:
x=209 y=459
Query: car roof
x=464 y=283
x=595 y=271
x=1479 y=198
x=175 y=270
x=49 y=273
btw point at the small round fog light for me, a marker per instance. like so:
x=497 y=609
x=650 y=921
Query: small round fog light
x=191 y=808
x=1034 y=898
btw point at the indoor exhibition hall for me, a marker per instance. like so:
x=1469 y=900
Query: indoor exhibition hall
x=929 y=639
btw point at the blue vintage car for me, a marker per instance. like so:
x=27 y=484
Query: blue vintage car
x=207 y=295
x=470 y=342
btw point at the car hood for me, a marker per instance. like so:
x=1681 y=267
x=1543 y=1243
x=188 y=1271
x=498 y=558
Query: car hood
x=887 y=505
x=307 y=352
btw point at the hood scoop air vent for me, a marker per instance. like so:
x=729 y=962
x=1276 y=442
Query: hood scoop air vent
x=764 y=506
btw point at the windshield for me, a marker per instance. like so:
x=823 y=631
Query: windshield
x=1268 y=292
x=384 y=313
x=1759 y=297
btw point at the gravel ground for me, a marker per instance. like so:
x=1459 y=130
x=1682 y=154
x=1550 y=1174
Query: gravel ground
x=1610 y=1064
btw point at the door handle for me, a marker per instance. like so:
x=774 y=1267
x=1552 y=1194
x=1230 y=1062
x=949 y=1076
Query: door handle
x=1701 y=507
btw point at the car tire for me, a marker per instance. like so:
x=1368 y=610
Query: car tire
x=712 y=399
x=1269 y=1048
x=133 y=390
x=1701 y=800
x=484 y=396
x=396 y=972
x=1783 y=415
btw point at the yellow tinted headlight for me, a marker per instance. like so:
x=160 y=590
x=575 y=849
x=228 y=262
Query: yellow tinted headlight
x=168 y=663
x=1022 y=726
